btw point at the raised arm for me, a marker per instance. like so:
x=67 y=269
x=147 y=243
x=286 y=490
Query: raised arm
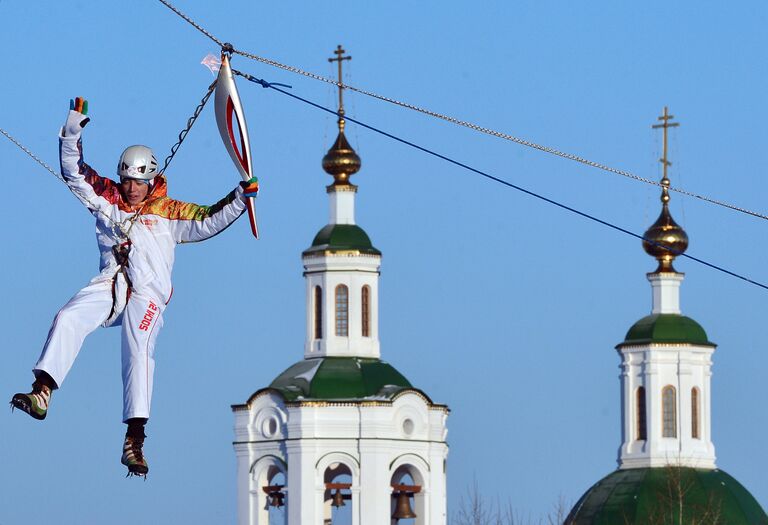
x=93 y=191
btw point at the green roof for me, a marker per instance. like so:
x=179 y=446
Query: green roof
x=342 y=237
x=650 y=496
x=340 y=378
x=666 y=328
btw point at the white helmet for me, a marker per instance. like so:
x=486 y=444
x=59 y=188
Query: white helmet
x=137 y=162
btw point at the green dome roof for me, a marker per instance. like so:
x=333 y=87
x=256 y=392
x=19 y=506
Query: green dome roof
x=341 y=237
x=340 y=378
x=666 y=328
x=648 y=496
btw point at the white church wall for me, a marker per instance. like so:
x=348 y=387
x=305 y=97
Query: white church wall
x=354 y=271
x=375 y=440
x=655 y=367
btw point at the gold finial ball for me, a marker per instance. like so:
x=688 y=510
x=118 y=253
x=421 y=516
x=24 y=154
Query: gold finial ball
x=341 y=161
x=665 y=240
x=665 y=190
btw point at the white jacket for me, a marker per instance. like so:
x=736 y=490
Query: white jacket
x=160 y=224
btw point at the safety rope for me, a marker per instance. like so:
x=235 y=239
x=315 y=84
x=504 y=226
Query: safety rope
x=190 y=122
x=593 y=218
x=459 y=122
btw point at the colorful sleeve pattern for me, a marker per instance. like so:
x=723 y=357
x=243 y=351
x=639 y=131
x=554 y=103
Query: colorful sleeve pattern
x=193 y=222
x=102 y=186
x=91 y=189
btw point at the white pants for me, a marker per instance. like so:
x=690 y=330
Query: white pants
x=87 y=310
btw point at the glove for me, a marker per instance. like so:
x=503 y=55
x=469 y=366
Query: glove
x=250 y=187
x=76 y=120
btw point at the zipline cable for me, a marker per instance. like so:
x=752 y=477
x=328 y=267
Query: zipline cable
x=459 y=122
x=192 y=23
x=269 y=85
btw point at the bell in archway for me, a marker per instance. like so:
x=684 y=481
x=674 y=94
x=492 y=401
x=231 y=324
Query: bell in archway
x=403 y=510
x=338 y=499
x=276 y=499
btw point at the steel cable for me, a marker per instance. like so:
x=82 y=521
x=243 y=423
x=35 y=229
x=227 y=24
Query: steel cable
x=32 y=155
x=190 y=122
x=266 y=84
x=593 y=218
x=459 y=122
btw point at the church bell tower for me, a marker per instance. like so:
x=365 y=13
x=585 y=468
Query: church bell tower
x=666 y=360
x=341 y=436
x=667 y=471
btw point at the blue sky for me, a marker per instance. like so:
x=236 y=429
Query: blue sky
x=500 y=306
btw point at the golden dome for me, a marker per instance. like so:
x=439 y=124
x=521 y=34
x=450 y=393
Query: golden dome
x=341 y=161
x=665 y=239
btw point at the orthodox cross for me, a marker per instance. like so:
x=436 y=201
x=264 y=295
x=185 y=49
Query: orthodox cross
x=666 y=124
x=340 y=58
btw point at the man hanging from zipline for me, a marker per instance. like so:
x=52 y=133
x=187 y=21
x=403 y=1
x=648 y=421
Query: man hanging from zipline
x=137 y=229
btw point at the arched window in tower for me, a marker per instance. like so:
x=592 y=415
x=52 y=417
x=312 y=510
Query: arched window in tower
x=366 y=310
x=342 y=311
x=268 y=497
x=318 y=307
x=338 y=502
x=408 y=500
x=275 y=496
x=669 y=412
x=640 y=422
x=695 y=413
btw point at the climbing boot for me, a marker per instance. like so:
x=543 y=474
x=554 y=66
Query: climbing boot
x=36 y=402
x=133 y=456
